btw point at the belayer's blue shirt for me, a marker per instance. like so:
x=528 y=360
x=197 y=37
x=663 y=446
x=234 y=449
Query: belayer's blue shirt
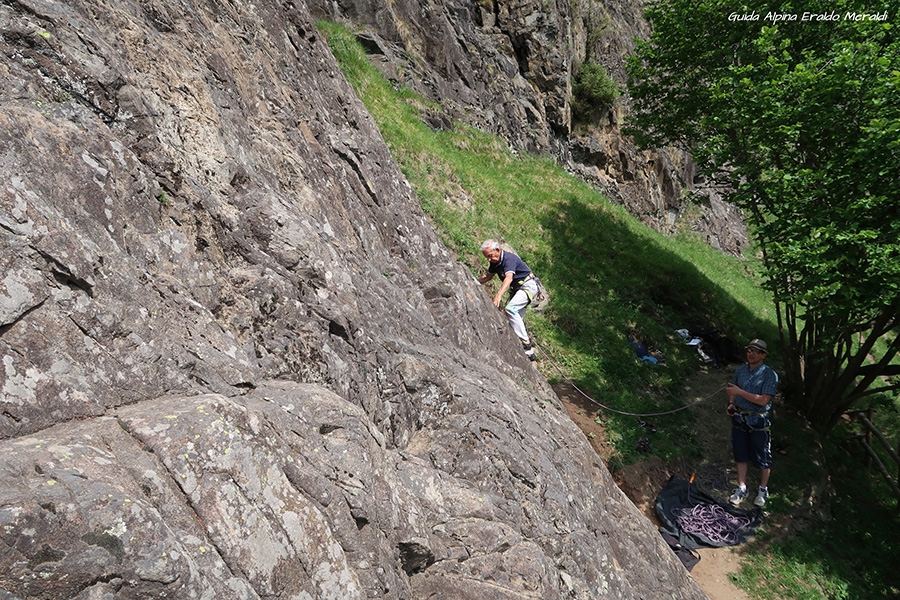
x=762 y=380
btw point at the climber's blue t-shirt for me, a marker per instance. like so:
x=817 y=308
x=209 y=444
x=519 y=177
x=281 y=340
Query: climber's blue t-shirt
x=509 y=262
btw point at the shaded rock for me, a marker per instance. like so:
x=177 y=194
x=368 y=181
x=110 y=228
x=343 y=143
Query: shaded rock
x=415 y=557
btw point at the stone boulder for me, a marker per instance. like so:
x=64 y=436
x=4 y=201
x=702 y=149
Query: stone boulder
x=235 y=359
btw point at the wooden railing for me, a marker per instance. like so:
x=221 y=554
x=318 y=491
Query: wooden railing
x=864 y=417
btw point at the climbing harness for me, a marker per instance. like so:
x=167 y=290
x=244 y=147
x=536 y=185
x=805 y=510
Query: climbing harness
x=518 y=285
x=629 y=414
x=751 y=421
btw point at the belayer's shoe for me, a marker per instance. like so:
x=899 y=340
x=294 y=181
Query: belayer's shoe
x=761 y=497
x=738 y=496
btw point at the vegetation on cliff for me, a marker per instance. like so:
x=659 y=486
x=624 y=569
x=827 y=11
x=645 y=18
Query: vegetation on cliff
x=592 y=91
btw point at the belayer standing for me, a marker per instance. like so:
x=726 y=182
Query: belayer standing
x=515 y=276
x=750 y=405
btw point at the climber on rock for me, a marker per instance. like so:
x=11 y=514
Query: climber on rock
x=516 y=277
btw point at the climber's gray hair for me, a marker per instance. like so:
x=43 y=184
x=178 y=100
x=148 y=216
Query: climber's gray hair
x=490 y=245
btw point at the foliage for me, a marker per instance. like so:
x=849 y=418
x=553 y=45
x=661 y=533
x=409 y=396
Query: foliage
x=801 y=121
x=592 y=91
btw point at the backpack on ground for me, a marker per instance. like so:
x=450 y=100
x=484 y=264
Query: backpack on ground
x=688 y=557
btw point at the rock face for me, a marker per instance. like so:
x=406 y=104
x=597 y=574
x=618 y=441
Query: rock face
x=237 y=362
x=506 y=67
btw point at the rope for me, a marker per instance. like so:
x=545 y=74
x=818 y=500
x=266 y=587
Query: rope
x=709 y=520
x=712 y=478
x=630 y=414
x=712 y=522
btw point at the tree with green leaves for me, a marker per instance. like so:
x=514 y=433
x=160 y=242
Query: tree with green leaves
x=796 y=111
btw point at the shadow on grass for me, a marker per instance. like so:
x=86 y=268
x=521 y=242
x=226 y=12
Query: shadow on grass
x=843 y=551
x=603 y=262
x=614 y=280
x=609 y=282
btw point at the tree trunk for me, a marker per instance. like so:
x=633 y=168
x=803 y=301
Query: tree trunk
x=829 y=366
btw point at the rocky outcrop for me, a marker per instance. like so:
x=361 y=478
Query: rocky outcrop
x=235 y=359
x=506 y=67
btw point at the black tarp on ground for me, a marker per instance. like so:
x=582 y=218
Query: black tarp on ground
x=679 y=496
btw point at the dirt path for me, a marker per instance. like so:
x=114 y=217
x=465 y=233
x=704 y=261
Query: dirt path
x=643 y=481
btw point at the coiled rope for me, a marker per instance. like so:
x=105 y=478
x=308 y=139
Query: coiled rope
x=712 y=522
x=708 y=520
x=621 y=412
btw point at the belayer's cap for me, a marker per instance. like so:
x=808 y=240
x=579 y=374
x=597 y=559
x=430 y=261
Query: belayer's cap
x=759 y=345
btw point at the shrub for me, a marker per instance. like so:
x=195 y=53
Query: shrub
x=592 y=91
